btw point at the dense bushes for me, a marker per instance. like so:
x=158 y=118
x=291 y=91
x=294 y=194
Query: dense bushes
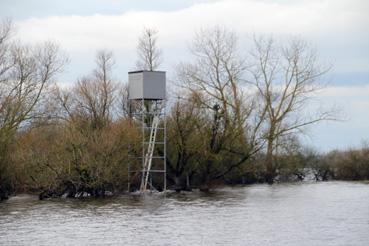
x=58 y=156
x=60 y=160
x=346 y=165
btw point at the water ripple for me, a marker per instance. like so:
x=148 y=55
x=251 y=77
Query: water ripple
x=333 y=213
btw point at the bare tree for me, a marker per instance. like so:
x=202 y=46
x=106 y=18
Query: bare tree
x=5 y=34
x=94 y=96
x=215 y=80
x=27 y=73
x=286 y=78
x=149 y=54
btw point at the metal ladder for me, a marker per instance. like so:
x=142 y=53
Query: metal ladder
x=149 y=154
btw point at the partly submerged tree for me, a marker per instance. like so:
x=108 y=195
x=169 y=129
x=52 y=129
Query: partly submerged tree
x=232 y=122
x=286 y=78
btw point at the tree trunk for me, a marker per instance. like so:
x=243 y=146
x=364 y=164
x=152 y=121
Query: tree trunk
x=188 y=185
x=205 y=186
x=177 y=183
x=270 y=169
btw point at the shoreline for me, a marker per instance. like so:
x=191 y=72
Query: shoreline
x=218 y=188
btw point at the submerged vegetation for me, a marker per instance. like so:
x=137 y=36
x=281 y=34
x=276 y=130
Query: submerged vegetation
x=235 y=119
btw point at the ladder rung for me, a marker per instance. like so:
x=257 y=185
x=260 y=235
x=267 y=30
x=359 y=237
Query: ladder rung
x=157 y=157
x=151 y=171
x=154 y=157
x=158 y=128
x=154 y=142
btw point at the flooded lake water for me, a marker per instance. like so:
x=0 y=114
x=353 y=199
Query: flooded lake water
x=332 y=213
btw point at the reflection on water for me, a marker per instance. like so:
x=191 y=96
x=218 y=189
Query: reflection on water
x=333 y=213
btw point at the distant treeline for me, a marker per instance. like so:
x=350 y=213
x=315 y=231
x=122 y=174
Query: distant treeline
x=233 y=119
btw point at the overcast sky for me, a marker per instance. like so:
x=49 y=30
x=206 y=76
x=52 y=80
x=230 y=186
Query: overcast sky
x=339 y=29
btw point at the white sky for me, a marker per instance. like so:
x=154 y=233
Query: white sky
x=339 y=29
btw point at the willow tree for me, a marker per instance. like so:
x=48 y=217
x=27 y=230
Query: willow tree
x=232 y=123
x=149 y=54
x=95 y=139
x=25 y=74
x=286 y=78
x=184 y=140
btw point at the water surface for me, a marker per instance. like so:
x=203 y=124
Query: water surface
x=332 y=213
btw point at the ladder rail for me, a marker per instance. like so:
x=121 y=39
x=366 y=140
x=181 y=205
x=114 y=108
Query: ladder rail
x=144 y=168
x=149 y=154
x=156 y=119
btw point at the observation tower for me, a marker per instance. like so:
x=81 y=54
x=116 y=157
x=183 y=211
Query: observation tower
x=147 y=165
